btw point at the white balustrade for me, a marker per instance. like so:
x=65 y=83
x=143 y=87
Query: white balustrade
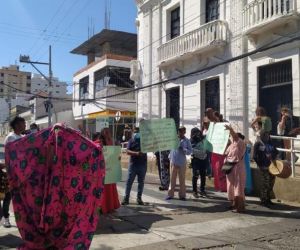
x=261 y=11
x=206 y=35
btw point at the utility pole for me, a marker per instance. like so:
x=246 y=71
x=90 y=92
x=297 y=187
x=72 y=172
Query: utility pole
x=48 y=103
x=50 y=89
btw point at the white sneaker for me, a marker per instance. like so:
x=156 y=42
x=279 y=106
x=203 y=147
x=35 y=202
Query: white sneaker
x=6 y=223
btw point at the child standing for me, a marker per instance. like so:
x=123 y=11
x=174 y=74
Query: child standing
x=199 y=162
x=264 y=153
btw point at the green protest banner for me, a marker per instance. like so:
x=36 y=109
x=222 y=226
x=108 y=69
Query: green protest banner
x=217 y=138
x=158 y=135
x=113 y=172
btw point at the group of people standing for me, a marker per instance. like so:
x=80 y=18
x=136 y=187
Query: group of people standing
x=173 y=163
x=203 y=163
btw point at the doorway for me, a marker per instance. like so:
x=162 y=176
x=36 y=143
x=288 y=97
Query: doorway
x=276 y=89
x=173 y=105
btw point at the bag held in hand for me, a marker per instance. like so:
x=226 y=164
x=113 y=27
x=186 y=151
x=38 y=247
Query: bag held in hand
x=227 y=167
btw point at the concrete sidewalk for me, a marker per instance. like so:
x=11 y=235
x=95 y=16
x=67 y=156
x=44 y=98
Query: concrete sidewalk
x=193 y=224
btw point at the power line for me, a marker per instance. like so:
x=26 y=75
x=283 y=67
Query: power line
x=208 y=68
x=47 y=26
x=56 y=28
x=88 y=2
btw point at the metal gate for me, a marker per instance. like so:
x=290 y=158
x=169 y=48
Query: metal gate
x=275 y=89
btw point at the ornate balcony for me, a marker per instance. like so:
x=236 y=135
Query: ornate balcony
x=260 y=16
x=205 y=39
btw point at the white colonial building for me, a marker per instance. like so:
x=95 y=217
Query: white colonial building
x=200 y=39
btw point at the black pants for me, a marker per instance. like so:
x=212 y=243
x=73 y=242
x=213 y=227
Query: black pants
x=4 y=210
x=199 y=169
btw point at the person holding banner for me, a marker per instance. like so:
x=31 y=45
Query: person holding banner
x=236 y=179
x=109 y=198
x=216 y=160
x=178 y=164
x=137 y=167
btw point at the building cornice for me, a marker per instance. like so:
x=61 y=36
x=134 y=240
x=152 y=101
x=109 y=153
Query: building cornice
x=101 y=59
x=146 y=5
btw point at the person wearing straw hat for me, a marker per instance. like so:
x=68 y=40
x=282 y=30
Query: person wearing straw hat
x=264 y=153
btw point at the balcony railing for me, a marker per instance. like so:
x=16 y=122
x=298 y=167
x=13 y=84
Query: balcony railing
x=111 y=91
x=209 y=35
x=260 y=12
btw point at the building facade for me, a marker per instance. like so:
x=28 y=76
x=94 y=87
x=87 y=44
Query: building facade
x=15 y=85
x=103 y=88
x=40 y=84
x=14 y=77
x=231 y=56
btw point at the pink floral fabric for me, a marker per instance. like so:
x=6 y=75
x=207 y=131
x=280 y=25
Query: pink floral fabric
x=56 y=180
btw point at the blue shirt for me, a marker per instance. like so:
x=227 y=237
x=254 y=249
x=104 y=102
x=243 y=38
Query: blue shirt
x=178 y=156
x=134 y=144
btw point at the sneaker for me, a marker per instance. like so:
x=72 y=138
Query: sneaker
x=140 y=202
x=6 y=223
x=161 y=188
x=125 y=202
x=196 y=195
x=168 y=198
x=203 y=194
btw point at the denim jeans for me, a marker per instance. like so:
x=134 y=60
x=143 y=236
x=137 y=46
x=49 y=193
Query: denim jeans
x=4 y=210
x=134 y=170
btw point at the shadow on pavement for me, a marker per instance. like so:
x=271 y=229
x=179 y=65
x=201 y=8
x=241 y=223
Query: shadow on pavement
x=140 y=220
x=10 y=241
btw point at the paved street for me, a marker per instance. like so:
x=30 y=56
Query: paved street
x=193 y=224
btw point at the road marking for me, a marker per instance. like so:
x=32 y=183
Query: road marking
x=157 y=235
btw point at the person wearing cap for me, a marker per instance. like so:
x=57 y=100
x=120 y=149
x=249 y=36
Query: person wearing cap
x=137 y=167
x=178 y=164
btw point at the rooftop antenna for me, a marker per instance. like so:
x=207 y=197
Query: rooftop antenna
x=91 y=27
x=107 y=14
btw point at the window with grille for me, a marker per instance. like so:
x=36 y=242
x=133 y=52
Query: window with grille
x=212 y=10
x=175 y=22
x=173 y=104
x=83 y=87
x=113 y=76
x=275 y=74
x=212 y=94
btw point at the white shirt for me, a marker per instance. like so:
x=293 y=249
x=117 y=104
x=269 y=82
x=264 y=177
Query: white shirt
x=11 y=137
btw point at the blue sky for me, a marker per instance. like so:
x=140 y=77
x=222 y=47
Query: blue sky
x=30 y=26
